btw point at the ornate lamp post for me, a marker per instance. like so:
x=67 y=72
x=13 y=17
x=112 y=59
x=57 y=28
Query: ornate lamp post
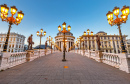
x=83 y=45
x=11 y=20
x=84 y=35
x=77 y=45
x=118 y=21
x=50 y=41
x=41 y=35
x=64 y=31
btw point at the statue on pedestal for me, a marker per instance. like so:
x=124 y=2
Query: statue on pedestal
x=98 y=42
x=30 y=42
x=46 y=45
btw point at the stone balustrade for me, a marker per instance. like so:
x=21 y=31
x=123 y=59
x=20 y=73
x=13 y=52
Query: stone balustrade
x=120 y=61
x=8 y=60
x=16 y=59
x=111 y=59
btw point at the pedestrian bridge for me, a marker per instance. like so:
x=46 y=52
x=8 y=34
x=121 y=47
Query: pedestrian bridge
x=46 y=67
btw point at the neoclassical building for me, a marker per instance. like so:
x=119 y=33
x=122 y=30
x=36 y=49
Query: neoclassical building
x=69 y=40
x=109 y=43
x=15 y=43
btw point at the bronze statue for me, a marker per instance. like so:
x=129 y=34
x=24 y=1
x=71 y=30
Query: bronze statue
x=30 y=42
x=98 y=42
x=45 y=44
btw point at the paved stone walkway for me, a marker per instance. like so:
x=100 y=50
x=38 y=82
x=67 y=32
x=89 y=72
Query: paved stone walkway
x=50 y=70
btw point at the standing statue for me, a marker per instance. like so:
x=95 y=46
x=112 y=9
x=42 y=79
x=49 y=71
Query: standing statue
x=98 y=42
x=30 y=42
x=45 y=44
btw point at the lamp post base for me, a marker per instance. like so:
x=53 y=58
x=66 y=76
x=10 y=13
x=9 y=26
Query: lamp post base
x=63 y=60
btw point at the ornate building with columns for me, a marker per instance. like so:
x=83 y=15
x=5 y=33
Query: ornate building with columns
x=69 y=40
x=15 y=43
x=109 y=43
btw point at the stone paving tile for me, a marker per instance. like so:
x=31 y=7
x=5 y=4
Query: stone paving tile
x=50 y=70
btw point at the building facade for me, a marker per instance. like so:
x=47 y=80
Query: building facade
x=109 y=43
x=15 y=43
x=69 y=40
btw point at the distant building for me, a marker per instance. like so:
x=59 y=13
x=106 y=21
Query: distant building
x=69 y=38
x=128 y=42
x=25 y=47
x=109 y=43
x=42 y=47
x=15 y=43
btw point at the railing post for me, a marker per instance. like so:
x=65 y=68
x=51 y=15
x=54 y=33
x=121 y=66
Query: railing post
x=99 y=55
x=89 y=53
x=30 y=55
x=4 y=60
x=124 y=62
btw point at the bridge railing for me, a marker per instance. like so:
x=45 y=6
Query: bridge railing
x=16 y=59
x=121 y=60
x=111 y=59
x=8 y=60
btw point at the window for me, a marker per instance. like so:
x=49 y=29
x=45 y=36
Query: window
x=104 y=37
x=9 y=46
x=117 y=46
x=13 y=46
x=92 y=37
x=116 y=37
x=12 y=50
x=117 y=42
x=14 y=39
x=112 y=37
x=9 y=50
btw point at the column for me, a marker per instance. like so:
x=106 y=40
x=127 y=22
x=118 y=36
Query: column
x=91 y=44
x=116 y=45
x=88 y=43
x=69 y=44
x=96 y=48
x=62 y=46
x=104 y=46
x=112 y=45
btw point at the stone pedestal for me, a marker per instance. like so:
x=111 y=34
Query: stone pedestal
x=4 y=60
x=98 y=54
x=124 y=62
x=30 y=55
x=89 y=53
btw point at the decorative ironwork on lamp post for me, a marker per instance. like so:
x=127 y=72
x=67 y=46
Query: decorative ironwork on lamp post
x=41 y=35
x=118 y=21
x=64 y=31
x=11 y=20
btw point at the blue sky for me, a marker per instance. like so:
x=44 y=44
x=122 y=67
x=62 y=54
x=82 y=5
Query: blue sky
x=79 y=14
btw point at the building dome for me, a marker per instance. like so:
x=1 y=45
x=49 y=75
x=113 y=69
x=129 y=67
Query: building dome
x=101 y=33
x=68 y=33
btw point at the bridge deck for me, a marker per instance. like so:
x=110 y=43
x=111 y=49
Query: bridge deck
x=50 y=70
